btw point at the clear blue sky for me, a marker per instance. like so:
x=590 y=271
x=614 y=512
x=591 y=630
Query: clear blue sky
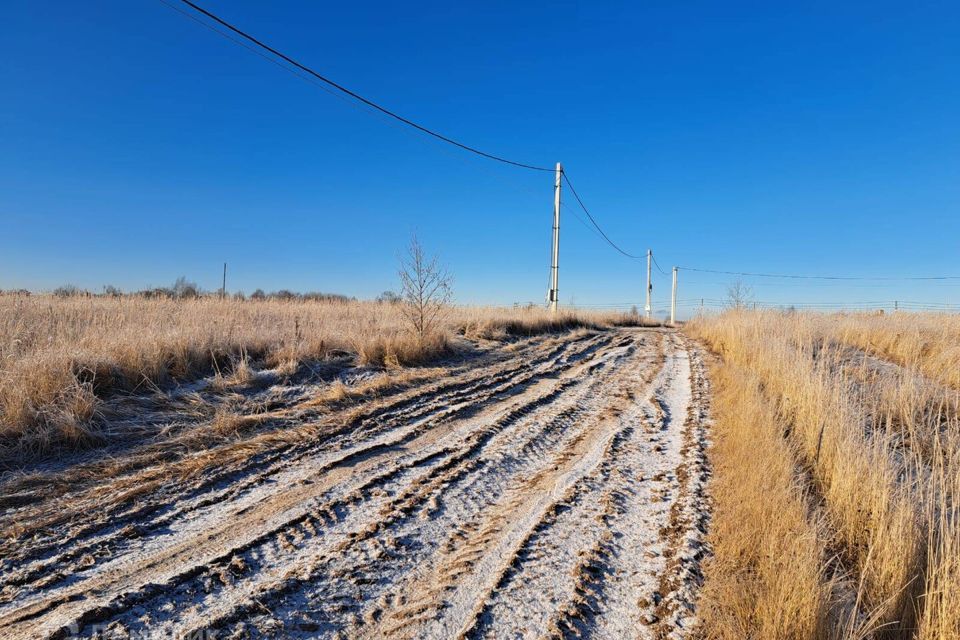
x=136 y=146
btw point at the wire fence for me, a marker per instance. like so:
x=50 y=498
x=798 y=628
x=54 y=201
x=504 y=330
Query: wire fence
x=716 y=304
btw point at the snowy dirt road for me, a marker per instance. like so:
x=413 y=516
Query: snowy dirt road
x=551 y=488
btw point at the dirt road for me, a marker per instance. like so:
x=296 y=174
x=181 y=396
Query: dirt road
x=552 y=488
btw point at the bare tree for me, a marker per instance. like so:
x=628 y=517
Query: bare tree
x=425 y=291
x=390 y=297
x=183 y=288
x=739 y=295
x=68 y=291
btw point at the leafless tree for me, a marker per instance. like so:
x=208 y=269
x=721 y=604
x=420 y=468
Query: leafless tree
x=739 y=295
x=390 y=297
x=425 y=290
x=183 y=288
x=68 y=291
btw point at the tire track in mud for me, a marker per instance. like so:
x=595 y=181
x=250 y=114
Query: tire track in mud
x=341 y=567
x=167 y=508
x=610 y=533
x=568 y=360
x=420 y=522
x=470 y=379
x=420 y=407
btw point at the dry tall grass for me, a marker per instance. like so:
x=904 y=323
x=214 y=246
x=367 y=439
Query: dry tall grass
x=60 y=356
x=926 y=342
x=875 y=446
x=768 y=577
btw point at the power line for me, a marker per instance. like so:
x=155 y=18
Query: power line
x=605 y=236
x=579 y=218
x=302 y=76
x=328 y=83
x=253 y=50
x=867 y=305
x=803 y=284
x=658 y=265
x=354 y=95
x=806 y=277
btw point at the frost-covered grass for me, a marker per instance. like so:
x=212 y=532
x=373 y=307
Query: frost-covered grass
x=60 y=356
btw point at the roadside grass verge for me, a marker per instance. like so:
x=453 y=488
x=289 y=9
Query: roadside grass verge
x=768 y=576
x=883 y=478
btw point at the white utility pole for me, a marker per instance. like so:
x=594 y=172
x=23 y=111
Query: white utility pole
x=673 y=299
x=647 y=308
x=554 y=296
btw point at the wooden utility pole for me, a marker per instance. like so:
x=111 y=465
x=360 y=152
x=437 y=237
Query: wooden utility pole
x=223 y=288
x=673 y=299
x=554 y=295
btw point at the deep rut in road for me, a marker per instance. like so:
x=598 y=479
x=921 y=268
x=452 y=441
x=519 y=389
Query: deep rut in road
x=555 y=488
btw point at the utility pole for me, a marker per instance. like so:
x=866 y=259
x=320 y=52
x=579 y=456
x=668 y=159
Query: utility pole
x=223 y=289
x=554 y=296
x=647 y=308
x=673 y=299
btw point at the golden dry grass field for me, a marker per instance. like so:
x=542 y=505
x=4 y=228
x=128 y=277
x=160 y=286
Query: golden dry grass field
x=60 y=356
x=284 y=469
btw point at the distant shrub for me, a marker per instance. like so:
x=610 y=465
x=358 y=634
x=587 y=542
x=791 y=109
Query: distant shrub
x=183 y=288
x=158 y=292
x=317 y=296
x=283 y=294
x=68 y=291
x=390 y=297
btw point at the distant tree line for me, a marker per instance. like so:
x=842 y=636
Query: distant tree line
x=390 y=297
x=183 y=289
x=312 y=296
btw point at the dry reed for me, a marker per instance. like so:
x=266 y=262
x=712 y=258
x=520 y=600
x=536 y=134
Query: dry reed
x=878 y=449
